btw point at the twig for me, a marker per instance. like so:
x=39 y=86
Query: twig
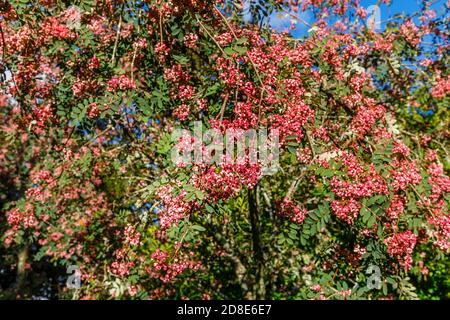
x=212 y=38
x=293 y=186
x=116 y=42
x=160 y=28
x=181 y=241
x=222 y=110
x=311 y=144
x=296 y=16
x=136 y=47
x=109 y=127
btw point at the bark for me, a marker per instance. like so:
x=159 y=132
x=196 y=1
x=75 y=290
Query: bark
x=22 y=258
x=259 y=288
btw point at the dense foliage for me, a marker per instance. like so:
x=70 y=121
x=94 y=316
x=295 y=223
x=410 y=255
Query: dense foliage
x=89 y=99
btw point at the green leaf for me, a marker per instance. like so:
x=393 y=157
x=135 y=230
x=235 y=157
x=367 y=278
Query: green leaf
x=242 y=40
x=199 y=195
x=229 y=51
x=365 y=214
x=181 y=59
x=198 y=228
x=189 y=188
x=240 y=50
x=372 y=220
x=189 y=196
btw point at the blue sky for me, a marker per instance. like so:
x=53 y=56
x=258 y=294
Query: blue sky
x=281 y=22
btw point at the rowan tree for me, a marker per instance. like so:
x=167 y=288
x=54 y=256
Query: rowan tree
x=92 y=92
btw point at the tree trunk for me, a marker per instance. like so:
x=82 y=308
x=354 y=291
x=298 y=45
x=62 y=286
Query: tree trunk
x=22 y=258
x=259 y=288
